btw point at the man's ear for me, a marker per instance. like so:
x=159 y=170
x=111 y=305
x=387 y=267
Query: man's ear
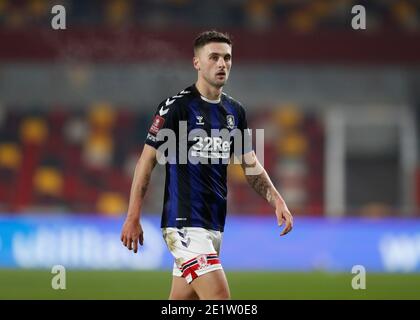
x=196 y=63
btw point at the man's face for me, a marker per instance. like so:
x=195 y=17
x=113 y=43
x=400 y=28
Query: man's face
x=213 y=63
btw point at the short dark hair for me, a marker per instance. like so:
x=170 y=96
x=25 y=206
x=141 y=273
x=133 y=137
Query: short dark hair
x=211 y=36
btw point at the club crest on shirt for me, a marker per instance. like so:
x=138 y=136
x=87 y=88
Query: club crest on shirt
x=230 y=119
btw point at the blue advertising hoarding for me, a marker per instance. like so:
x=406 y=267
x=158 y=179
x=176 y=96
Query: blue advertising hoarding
x=249 y=243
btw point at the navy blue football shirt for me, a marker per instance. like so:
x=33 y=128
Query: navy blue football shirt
x=195 y=185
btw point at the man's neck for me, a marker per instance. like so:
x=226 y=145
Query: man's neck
x=207 y=91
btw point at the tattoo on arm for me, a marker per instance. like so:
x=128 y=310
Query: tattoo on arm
x=143 y=188
x=262 y=185
x=145 y=180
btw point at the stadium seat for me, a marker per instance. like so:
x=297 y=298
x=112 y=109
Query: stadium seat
x=10 y=156
x=117 y=12
x=97 y=152
x=33 y=130
x=111 y=203
x=101 y=116
x=288 y=116
x=48 y=181
x=293 y=145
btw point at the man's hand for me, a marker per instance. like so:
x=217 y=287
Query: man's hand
x=283 y=215
x=132 y=234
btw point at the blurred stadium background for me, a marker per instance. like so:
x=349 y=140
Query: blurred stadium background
x=340 y=109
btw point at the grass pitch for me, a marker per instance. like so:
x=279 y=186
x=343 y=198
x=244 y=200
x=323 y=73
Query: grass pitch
x=151 y=285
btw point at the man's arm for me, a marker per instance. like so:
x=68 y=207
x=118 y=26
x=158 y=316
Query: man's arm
x=259 y=180
x=132 y=232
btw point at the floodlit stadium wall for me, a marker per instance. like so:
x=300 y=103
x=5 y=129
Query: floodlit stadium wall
x=250 y=243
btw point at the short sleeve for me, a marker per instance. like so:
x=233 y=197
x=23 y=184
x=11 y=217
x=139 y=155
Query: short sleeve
x=244 y=133
x=165 y=117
